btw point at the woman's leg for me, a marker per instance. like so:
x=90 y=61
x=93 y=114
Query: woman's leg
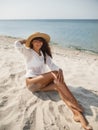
x=71 y=103
x=78 y=116
x=45 y=82
x=50 y=87
x=39 y=82
x=70 y=99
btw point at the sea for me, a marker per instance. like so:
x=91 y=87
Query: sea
x=72 y=33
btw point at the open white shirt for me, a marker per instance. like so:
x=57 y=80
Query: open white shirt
x=34 y=62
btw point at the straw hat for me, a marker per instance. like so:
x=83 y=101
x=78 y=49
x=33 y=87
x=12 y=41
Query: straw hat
x=37 y=34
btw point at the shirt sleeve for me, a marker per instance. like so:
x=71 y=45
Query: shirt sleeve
x=51 y=64
x=20 y=47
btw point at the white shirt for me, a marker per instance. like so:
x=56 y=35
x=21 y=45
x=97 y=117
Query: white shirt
x=34 y=62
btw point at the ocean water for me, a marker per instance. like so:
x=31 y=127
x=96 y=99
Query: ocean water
x=79 y=34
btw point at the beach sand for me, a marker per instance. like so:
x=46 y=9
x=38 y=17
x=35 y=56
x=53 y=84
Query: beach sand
x=21 y=109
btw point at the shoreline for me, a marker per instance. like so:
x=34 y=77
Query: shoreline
x=57 y=45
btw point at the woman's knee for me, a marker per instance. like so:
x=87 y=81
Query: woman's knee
x=54 y=73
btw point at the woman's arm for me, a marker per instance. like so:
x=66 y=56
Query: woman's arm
x=20 y=46
x=51 y=64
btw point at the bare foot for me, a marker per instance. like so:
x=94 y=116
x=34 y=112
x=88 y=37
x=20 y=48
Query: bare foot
x=88 y=127
x=79 y=117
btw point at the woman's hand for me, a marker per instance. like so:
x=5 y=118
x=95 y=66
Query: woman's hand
x=23 y=41
x=60 y=78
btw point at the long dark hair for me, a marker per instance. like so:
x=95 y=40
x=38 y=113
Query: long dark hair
x=45 y=47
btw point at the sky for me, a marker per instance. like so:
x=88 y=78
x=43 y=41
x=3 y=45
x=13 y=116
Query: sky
x=48 y=9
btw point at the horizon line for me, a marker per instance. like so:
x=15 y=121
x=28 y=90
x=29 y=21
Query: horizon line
x=50 y=19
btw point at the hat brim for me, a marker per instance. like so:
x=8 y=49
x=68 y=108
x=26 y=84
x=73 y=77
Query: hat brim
x=42 y=35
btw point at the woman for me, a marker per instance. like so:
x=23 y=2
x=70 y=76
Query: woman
x=37 y=53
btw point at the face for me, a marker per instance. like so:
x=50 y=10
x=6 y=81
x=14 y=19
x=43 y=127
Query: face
x=37 y=44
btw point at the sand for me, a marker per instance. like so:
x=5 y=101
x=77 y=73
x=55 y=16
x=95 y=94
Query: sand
x=21 y=109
